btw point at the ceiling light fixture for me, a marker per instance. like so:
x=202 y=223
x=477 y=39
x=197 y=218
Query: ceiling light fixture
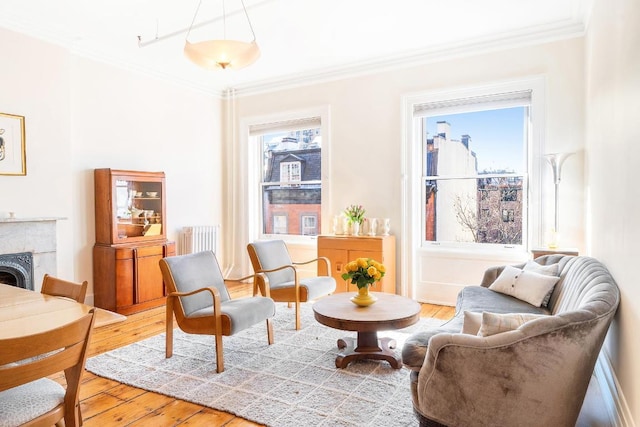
x=224 y=53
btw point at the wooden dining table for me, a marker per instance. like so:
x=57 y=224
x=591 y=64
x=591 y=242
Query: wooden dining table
x=24 y=312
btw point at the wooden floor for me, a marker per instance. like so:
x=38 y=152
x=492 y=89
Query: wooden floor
x=108 y=403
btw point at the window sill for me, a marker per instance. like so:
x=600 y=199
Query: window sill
x=506 y=254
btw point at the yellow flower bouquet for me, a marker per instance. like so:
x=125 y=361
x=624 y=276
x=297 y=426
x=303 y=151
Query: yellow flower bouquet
x=363 y=272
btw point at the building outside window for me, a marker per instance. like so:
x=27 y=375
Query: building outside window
x=475 y=169
x=291 y=152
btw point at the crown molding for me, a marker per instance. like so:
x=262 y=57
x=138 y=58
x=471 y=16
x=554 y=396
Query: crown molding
x=508 y=40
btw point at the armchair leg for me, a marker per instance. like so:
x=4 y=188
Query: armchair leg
x=297 y=315
x=169 y=327
x=219 y=356
x=270 y=331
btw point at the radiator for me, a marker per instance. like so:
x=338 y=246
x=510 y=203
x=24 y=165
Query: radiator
x=197 y=239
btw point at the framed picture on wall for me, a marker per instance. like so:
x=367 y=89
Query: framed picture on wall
x=13 y=159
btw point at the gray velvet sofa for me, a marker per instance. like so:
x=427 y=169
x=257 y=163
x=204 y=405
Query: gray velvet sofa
x=534 y=375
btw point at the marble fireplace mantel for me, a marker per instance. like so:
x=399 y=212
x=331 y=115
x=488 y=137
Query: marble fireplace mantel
x=37 y=235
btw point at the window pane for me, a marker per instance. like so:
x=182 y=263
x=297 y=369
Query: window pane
x=293 y=156
x=474 y=164
x=476 y=142
x=474 y=210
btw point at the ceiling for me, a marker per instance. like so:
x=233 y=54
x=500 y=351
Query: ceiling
x=300 y=40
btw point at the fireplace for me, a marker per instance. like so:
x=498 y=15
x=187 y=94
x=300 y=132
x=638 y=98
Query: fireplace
x=27 y=251
x=17 y=270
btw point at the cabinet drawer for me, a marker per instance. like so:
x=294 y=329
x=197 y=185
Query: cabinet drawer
x=351 y=243
x=143 y=251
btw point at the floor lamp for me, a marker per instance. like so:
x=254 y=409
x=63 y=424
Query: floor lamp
x=556 y=160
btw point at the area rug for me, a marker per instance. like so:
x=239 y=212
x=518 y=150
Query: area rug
x=293 y=382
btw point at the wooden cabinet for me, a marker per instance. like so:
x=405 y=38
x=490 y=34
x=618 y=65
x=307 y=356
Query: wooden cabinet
x=130 y=240
x=127 y=278
x=342 y=249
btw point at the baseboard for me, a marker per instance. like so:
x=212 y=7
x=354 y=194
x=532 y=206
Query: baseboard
x=612 y=396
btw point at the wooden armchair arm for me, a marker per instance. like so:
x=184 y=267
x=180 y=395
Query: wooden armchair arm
x=217 y=316
x=324 y=259
x=273 y=270
x=265 y=280
x=282 y=267
x=321 y=258
x=214 y=293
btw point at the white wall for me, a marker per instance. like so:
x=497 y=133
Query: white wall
x=612 y=165
x=81 y=115
x=34 y=83
x=366 y=128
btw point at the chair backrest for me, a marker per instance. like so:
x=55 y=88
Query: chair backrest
x=186 y=273
x=63 y=288
x=270 y=254
x=30 y=358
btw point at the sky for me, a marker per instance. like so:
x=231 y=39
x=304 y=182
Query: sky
x=496 y=136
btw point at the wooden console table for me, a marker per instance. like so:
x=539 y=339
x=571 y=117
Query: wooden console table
x=389 y=312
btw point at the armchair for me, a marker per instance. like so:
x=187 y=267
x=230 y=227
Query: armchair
x=276 y=273
x=197 y=295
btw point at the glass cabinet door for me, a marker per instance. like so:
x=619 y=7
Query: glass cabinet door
x=138 y=206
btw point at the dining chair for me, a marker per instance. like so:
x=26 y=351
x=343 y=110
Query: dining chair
x=63 y=288
x=277 y=274
x=200 y=301
x=27 y=396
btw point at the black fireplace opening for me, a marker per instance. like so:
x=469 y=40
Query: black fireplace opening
x=17 y=270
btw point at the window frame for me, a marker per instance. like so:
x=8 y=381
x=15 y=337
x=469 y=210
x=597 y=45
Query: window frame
x=413 y=195
x=254 y=223
x=471 y=104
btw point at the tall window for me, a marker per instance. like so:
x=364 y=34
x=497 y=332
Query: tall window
x=290 y=187
x=474 y=154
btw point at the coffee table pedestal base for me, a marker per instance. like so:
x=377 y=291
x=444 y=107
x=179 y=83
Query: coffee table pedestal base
x=367 y=346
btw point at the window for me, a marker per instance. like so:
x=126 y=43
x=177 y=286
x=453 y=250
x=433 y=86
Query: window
x=290 y=172
x=309 y=225
x=508 y=215
x=474 y=163
x=279 y=223
x=290 y=186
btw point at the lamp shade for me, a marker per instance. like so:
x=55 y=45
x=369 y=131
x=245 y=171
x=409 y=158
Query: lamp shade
x=222 y=54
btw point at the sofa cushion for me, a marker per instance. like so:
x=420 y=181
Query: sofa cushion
x=470 y=298
x=479 y=299
x=525 y=285
x=494 y=323
x=472 y=323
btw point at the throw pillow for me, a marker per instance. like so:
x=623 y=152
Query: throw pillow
x=471 y=324
x=549 y=270
x=493 y=323
x=524 y=285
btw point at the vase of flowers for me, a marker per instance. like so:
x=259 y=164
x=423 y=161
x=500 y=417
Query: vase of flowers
x=355 y=216
x=363 y=272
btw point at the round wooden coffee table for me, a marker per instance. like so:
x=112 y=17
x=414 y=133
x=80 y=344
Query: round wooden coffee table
x=389 y=312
